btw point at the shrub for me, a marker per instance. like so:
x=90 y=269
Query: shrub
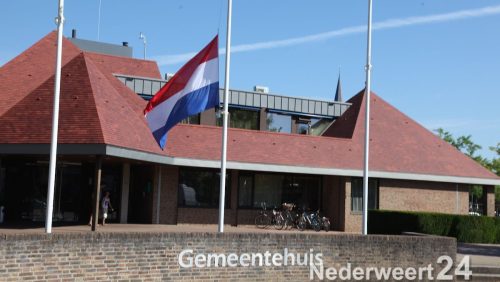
x=469 y=229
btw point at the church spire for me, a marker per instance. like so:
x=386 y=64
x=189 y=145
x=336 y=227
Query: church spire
x=338 y=93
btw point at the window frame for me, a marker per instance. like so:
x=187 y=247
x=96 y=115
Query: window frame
x=377 y=194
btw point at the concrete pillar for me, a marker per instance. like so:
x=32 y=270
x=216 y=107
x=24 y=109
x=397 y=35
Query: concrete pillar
x=97 y=192
x=158 y=183
x=234 y=196
x=125 y=192
x=489 y=200
x=208 y=117
x=263 y=119
x=294 y=126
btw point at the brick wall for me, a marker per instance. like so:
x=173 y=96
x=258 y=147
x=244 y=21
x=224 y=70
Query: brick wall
x=353 y=220
x=489 y=203
x=405 y=195
x=154 y=256
x=168 y=195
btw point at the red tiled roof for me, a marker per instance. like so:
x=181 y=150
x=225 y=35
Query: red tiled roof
x=204 y=142
x=399 y=144
x=31 y=68
x=96 y=108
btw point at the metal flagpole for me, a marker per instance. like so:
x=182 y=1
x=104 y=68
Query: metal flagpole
x=143 y=37
x=367 y=119
x=225 y=113
x=55 y=120
x=99 y=21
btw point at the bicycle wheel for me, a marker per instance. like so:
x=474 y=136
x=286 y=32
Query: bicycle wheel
x=316 y=225
x=262 y=221
x=302 y=224
x=326 y=224
x=278 y=222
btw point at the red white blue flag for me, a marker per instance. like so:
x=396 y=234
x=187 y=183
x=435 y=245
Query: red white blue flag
x=192 y=90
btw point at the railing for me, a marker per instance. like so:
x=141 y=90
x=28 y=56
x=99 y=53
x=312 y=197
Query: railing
x=147 y=87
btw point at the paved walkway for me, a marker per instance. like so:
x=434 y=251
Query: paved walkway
x=480 y=254
x=180 y=228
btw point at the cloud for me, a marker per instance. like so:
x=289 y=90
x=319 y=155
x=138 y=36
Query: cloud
x=387 y=24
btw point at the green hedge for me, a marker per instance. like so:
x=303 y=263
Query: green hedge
x=469 y=229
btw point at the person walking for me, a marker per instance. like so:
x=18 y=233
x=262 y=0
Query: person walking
x=106 y=206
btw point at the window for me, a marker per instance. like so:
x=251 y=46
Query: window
x=245 y=184
x=194 y=119
x=279 y=123
x=275 y=189
x=357 y=194
x=200 y=188
x=303 y=127
x=268 y=188
x=242 y=118
x=318 y=125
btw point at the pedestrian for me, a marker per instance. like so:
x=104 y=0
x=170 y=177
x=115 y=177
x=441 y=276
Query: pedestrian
x=106 y=206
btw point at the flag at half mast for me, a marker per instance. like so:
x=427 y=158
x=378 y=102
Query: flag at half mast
x=192 y=90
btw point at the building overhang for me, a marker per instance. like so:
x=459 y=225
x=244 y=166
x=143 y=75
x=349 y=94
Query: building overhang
x=126 y=153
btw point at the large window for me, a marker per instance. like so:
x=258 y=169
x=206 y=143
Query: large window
x=200 y=188
x=318 y=125
x=279 y=123
x=357 y=194
x=242 y=118
x=275 y=189
x=194 y=119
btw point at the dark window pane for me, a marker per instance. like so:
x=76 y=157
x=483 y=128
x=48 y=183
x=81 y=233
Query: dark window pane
x=194 y=119
x=268 y=188
x=242 y=118
x=245 y=190
x=279 y=123
x=200 y=188
x=303 y=191
x=357 y=194
x=275 y=189
x=303 y=128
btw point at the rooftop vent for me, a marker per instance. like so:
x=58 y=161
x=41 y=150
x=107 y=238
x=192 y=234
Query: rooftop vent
x=261 y=89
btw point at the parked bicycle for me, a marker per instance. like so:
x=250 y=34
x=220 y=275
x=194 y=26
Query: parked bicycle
x=314 y=221
x=290 y=214
x=265 y=218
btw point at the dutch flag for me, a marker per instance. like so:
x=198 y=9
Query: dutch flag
x=192 y=90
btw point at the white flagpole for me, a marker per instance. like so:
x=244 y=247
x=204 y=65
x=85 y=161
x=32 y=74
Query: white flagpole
x=367 y=120
x=225 y=114
x=55 y=120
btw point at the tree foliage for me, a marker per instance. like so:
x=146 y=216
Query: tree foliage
x=468 y=147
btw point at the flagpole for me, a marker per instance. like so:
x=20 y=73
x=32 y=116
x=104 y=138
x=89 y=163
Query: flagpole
x=225 y=115
x=367 y=119
x=55 y=120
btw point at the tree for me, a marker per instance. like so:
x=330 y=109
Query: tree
x=469 y=148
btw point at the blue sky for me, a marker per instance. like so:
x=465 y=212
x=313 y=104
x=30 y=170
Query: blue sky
x=438 y=63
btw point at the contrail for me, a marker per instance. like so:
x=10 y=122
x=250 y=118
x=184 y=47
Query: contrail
x=387 y=24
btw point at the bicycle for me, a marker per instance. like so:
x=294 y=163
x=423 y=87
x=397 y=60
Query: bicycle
x=310 y=219
x=264 y=219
